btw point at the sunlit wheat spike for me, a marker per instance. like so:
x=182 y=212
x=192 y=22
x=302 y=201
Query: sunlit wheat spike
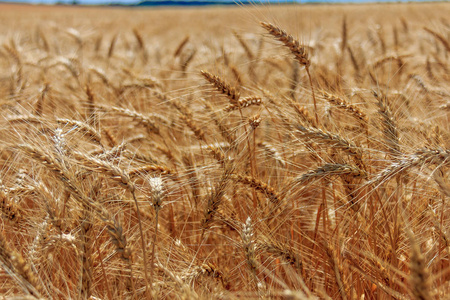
x=299 y=51
x=406 y=162
x=329 y=170
x=391 y=135
x=258 y=185
x=223 y=87
x=287 y=253
x=101 y=166
x=214 y=200
x=248 y=243
x=147 y=121
x=244 y=102
x=25 y=119
x=346 y=106
x=82 y=127
x=163 y=170
x=331 y=139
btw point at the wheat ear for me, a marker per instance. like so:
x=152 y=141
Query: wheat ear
x=181 y=46
x=258 y=185
x=223 y=87
x=244 y=102
x=329 y=170
x=390 y=132
x=348 y=107
x=286 y=252
x=215 y=199
x=123 y=178
x=143 y=119
x=15 y=263
x=441 y=180
x=406 y=162
x=334 y=140
x=209 y=269
x=439 y=37
x=337 y=269
x=157 y=187
x=299 y=51
x=84 y=128
x=248 y=243
x=9 y=207
x=233 y=96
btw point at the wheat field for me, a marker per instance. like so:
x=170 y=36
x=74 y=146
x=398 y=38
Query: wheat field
x=273 y=152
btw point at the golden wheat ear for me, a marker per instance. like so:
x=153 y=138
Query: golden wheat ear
x=19 y=268
x=223 y=87
x=157 y=197
x=299 y=51
x=248 y=243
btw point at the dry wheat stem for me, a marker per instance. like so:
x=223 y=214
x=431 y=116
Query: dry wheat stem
x=244 y=45
x=331 y=253
x=87 y=260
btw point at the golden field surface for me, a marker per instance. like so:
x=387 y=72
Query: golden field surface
x=274 y=152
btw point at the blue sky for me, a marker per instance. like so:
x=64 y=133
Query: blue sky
x=136 y=1
x=70 y=1
x=88 y=1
